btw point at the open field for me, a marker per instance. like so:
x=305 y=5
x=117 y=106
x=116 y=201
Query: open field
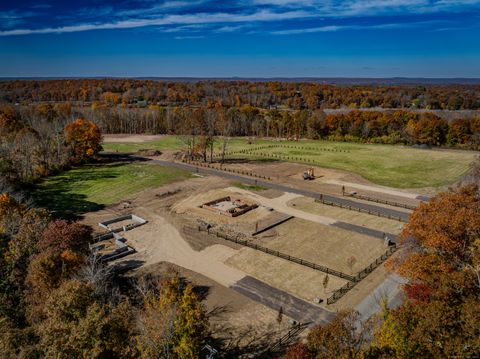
x=91 y=187
x=131 y=144
x=394 y=166
x=128 y=138
x=242 y=224
x=388 y=165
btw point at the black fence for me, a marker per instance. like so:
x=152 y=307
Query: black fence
x=278 y=254
x=231 y=170
x=377 y=200
x=339 y=293
x=275 y=156
x=309 y=148
x=272 y=225
x=303 y=148
x=288 y=339
x=361 y=210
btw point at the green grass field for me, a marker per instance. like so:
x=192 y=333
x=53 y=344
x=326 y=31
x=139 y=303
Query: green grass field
x=393 y=166
x=91 y=187
x=388 y=165
x=167 y=143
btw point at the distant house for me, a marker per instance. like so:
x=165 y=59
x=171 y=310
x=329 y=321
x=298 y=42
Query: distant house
x=141 y=103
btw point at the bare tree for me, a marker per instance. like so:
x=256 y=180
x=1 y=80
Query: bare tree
x=226 y=129
x=99 y=275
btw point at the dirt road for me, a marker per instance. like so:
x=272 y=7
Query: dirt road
x=280 y=204
x=160 y=241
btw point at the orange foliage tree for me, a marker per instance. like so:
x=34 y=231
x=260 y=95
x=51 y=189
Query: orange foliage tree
x=343 y=337
x=62 y=252
x=85 y=139
x=441 y=260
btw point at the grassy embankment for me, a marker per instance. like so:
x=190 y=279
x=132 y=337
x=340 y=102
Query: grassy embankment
x=91 y=187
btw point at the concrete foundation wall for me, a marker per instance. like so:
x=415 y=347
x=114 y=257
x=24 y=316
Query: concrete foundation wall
x=122 y=249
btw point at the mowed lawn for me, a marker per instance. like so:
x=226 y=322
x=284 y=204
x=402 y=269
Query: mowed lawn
x=91 y=187
x=166 y=143
x=388 y=165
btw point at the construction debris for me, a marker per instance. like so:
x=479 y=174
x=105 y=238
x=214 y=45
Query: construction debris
x=111 y=245
x=229 y=207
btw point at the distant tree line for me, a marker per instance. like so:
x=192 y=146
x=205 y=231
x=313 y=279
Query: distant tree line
x=43 y=127
x=296 y=96
x=388 y=127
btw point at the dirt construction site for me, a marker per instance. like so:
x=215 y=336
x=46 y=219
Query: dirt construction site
x=261 y=249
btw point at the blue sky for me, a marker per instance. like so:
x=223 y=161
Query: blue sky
x=247 y=38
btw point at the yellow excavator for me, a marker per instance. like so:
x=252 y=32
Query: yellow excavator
x=309 y=174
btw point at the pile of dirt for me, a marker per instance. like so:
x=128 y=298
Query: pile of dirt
x=148 y=152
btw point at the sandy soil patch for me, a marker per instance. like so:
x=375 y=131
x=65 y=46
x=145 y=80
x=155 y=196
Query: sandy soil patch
x=280 y=204
x=372 y=188
x=358 y=293
x=215 y=295
x=159 y=241
x=295 y=279
x=326 y=245
x=244 y=223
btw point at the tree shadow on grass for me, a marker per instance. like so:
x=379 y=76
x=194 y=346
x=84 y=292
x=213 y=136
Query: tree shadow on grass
x=57 y=192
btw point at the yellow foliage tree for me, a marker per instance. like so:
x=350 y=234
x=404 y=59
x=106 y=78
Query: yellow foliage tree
x=172 y=324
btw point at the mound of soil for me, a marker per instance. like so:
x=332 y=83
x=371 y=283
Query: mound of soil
x=422 y=146
x=148 y=152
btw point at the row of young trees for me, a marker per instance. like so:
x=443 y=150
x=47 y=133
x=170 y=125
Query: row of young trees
x=33 y=143
x=57 y=300
x=296 y=96
x=440 y=317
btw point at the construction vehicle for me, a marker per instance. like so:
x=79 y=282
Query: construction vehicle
x=309 y=174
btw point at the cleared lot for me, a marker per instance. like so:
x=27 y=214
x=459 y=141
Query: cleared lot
x=300 y=281
x=361 y=219
x=326 y=245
